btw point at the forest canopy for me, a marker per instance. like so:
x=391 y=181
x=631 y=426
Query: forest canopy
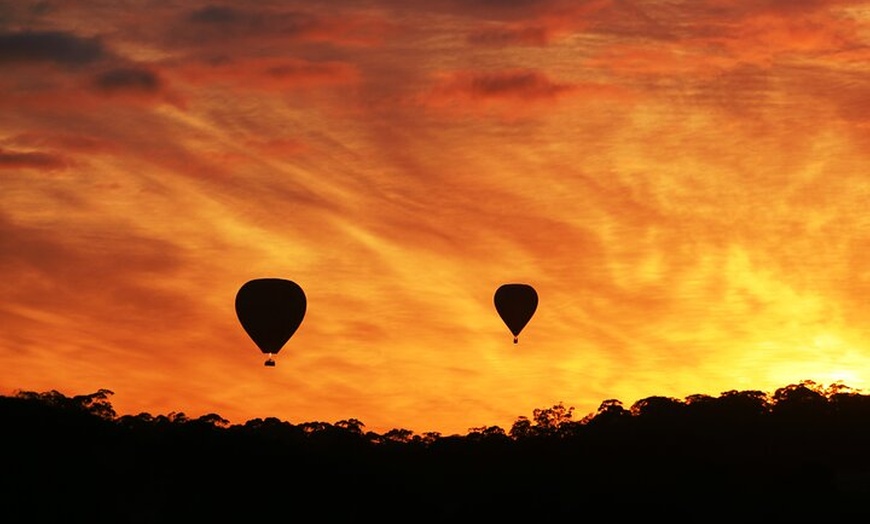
x=806 y=399
x=799 y=452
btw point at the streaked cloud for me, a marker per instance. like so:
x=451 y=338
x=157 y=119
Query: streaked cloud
x=512 y=93
x=31 y=159
x=683 y=182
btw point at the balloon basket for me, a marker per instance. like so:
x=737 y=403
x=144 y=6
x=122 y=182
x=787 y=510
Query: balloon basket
x=269 y=363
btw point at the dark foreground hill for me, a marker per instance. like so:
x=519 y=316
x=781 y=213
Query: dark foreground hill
x=801 y=454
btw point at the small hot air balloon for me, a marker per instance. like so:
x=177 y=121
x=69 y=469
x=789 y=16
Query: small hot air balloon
x=516 y=303
x=270 y=310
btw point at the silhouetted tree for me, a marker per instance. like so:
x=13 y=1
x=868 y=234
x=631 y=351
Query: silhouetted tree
x=399 y=435
x=658 y=408
x=806 y=399
x=522 y=428
x=486 y=432
x=352 y=425
x=609 y=411
x=548 y=420
x=799 y=454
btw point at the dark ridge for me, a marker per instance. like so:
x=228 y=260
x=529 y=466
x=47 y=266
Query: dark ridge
x=801 y=454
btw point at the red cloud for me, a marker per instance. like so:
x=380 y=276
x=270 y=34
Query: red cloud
x=518 y=84
x=511 y=35
x=50 y=47
x=545 y=26
x=74 y=143
x=32 y=160
x=512 y=92
x=218 y=26
x=128 y=80
x=271 y=74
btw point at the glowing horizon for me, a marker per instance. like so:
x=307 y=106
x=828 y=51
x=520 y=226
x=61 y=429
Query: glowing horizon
x=684 y=184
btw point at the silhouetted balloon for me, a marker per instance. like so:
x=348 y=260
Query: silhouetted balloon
x=516 y=303
x=270 y=310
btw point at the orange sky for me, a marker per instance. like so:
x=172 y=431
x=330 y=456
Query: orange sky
x=685 y=184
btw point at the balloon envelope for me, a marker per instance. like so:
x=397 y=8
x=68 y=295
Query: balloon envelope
x=516 y=303
x=270 y=310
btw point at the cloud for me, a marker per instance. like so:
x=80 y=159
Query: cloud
x=50 y=46
x=543 y=26
x=55 y=69
x=765 y=37
x=748 y=58
x=269 y=74
x=711 y=34
x=512 y=92
x=504 y=10
x=46 y=151
x=504 y=36
x=128 y=79
x=32 y=160
x=217 y=15
x=136 y=84
x=219 y=25
x=226 y=22
x=526 y=84
x=517 y=84
x=69 y=142
x=664 y=143
x=113 y=273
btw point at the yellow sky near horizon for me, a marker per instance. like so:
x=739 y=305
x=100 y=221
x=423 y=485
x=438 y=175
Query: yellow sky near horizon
x=684 y=183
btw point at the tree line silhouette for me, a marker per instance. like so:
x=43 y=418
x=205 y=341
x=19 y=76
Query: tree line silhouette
x=799 y=454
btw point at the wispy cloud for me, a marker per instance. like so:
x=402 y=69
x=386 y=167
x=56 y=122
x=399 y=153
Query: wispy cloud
x=684 y=182
x=32 y=159
x=511 y=92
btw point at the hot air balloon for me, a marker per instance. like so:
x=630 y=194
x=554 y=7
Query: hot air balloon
x=270 y=310
x=516 y=303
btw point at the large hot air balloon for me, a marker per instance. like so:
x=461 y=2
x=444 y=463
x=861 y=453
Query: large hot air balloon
x=516 y=303
x=270 y=310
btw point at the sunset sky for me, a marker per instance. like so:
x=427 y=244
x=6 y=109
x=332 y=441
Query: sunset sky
x=685 y=183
